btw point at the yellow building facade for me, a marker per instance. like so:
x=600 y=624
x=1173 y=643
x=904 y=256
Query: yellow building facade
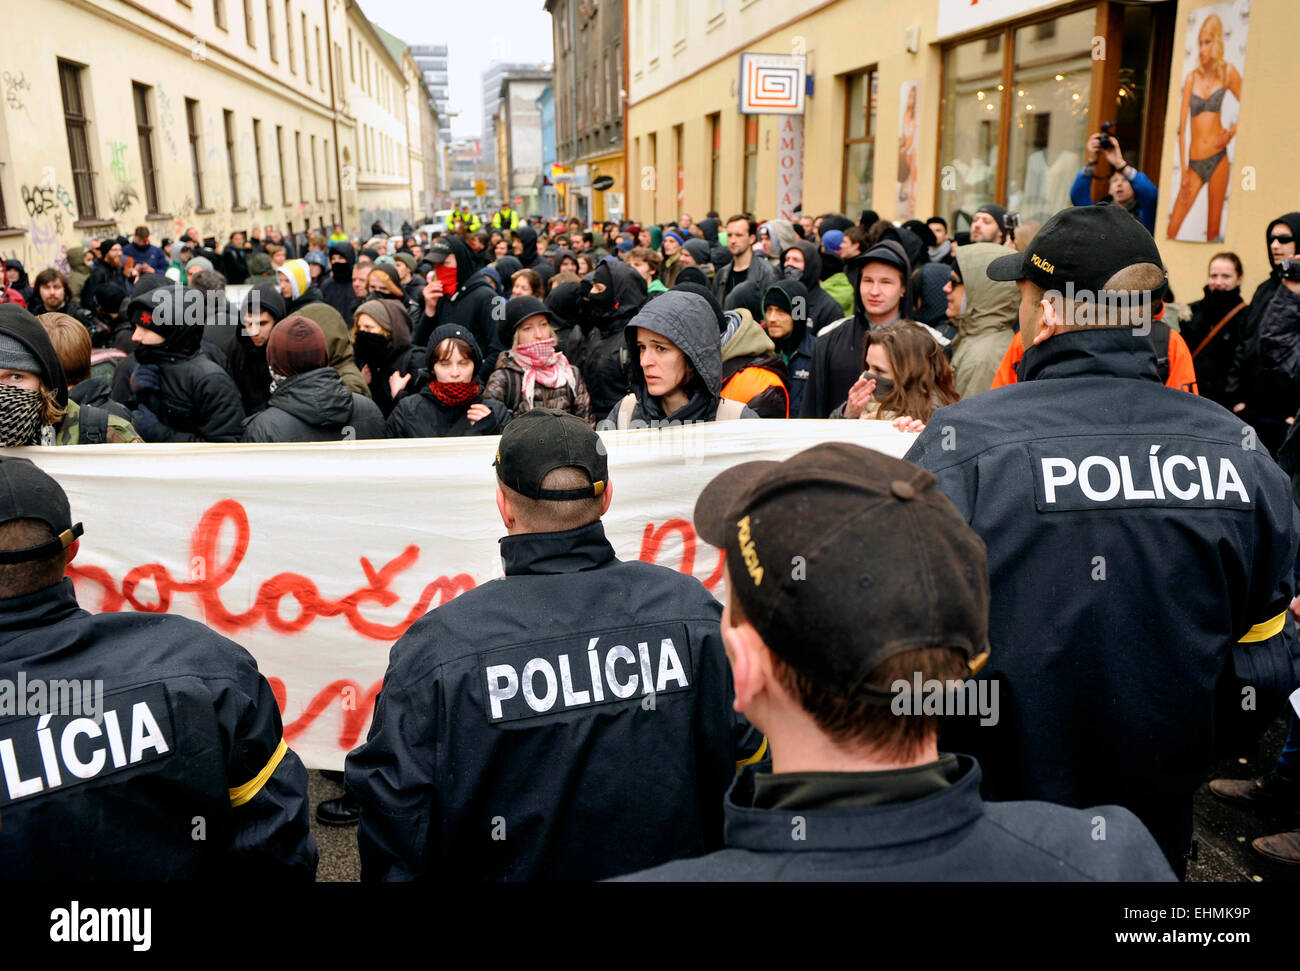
x=939 y=106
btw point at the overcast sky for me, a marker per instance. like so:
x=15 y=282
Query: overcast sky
x=476 y=33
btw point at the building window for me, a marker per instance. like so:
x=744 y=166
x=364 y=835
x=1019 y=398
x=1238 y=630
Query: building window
x=144 y=135
x=1020 y=144
x=219 y=13
x=250 y=36
x=279 y=157
x=297 y=151
x=750 y=200
x=76 y=121
x=652 y=147
x=315 y=182
x=196 y=155
x=320 y=63
x=228 y=118
x=715 y=158
x=859 y=140
x=288 y=35
x=329 y=183
x=257 y=159
x=270 y=31
x=306 y=51
x=338 y=71
x=678 y=138
x=352 y=63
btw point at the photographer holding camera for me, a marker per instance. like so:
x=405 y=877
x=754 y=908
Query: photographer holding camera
x=1128 y=187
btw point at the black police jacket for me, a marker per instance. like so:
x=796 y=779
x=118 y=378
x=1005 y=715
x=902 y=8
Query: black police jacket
x=951 y=834
x=569 y=721
x=1138 y=539
x=183 y=773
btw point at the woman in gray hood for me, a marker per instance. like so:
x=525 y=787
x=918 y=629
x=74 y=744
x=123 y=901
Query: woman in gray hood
x=675 y=365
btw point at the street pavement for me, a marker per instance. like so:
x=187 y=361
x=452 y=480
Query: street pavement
x=1223 y=831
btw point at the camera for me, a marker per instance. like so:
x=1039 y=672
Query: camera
x=1011 y=221
x=1105 y=141
x=1290 y=270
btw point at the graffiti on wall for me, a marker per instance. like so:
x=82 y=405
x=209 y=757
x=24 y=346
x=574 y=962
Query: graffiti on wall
x=15 y=85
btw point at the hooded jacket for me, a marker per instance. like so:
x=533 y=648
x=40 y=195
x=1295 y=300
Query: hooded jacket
x=473 y=305
x=234 y=264
x=838 y=356
x=783 y=237
x=1247 y=382
x=753 y=373
x=600 y=351
x=100 y=274
x=559 y=256
x=336 y=287
x=708 y=231
x=315 y=406
x=78 y=272
x=197 y=400
x=796 y=348
x=987 y=323
x=822 y=307
x=687 y=320
x=22 y=284
x=422 y=415
x=529 y=257
x=339 y=343
x=393 y=356
x=247 y=363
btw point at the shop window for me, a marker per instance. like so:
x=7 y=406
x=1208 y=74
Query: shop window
x=715 y=158
x=750 y=201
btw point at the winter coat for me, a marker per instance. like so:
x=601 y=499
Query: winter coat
x=838 y=356
x=599 y=350
x=220 y=332
x=315 y=406
x=823 y=309
x=100 y=336
x=1215 y=362
x=839 y=287
x=339 y=293
x=506 y=384
x=986 y=325
x=1279 y=351
x=150 y=254
x=687 y=320
x=476 y=305
x=760 y=272
x=22 y=284
x=100 y=274
x=339 y=342
x=530 y=258
x=421 y=415
x=309 y=296
x=753 y=373
x=234 y=265
x=117 y=430
x=98 y=393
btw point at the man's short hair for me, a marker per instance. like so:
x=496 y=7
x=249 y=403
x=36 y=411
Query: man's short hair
x=649 y=257
x=749 y=221
x=1132 y=311
x=551 y=515
x=20 y=579
x=862 y=721
x=857 y=233
x=141 y=232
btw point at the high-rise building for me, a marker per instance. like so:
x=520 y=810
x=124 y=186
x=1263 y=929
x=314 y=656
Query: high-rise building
x=492 y=77
x=432 y=61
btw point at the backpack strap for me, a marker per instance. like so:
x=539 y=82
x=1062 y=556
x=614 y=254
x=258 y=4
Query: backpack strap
x=92 y=426
x=729 y=410
x=1227 y=319
x=625 y=409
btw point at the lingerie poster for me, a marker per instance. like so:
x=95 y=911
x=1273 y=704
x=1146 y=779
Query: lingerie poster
x=1208 y=111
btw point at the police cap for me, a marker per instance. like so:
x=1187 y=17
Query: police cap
x=543 y=440
x=842 y=557
x=28 y=493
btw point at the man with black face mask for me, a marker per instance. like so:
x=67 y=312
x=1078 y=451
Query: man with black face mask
x=801 y=262
x=607 y=302
x=337 y=287
x=174 y=391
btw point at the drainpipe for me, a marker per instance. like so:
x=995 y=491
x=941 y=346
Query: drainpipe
x=334 y=116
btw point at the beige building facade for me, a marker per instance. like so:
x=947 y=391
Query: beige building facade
x=220 y=115
x=939 y=106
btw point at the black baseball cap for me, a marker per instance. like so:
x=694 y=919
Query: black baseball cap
x=1083 y=245
x=439 y=250
x=519 y=309
x=28 y=493
x=842 y=557
x=544 y=439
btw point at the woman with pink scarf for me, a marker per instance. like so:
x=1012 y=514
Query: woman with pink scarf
x=533 y=374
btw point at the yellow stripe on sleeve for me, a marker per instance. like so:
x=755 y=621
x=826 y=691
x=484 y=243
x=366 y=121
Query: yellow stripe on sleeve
x=1262 y=632
x=756 y=757
x=251 y=788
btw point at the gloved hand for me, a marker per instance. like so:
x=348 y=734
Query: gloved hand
x=146 y=422
x=146 y=378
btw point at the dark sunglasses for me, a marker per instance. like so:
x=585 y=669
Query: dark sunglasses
x=1283 y=239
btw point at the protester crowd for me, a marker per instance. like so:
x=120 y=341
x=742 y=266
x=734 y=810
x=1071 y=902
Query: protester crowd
x=508 y=324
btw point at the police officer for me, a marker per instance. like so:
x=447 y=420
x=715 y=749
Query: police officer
x=843 y=664
x=569 y=721
x=505 y=217
x=1139 y=540
x=133 y=746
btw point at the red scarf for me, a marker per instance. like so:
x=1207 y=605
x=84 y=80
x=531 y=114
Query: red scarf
x=456 y=395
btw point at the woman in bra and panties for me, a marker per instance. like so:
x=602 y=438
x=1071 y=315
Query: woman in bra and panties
x=1202 y=139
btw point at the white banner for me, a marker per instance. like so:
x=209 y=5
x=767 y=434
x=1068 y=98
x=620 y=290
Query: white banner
x=317 y=557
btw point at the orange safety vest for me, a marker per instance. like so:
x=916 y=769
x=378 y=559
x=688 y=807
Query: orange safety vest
x=748 y=383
